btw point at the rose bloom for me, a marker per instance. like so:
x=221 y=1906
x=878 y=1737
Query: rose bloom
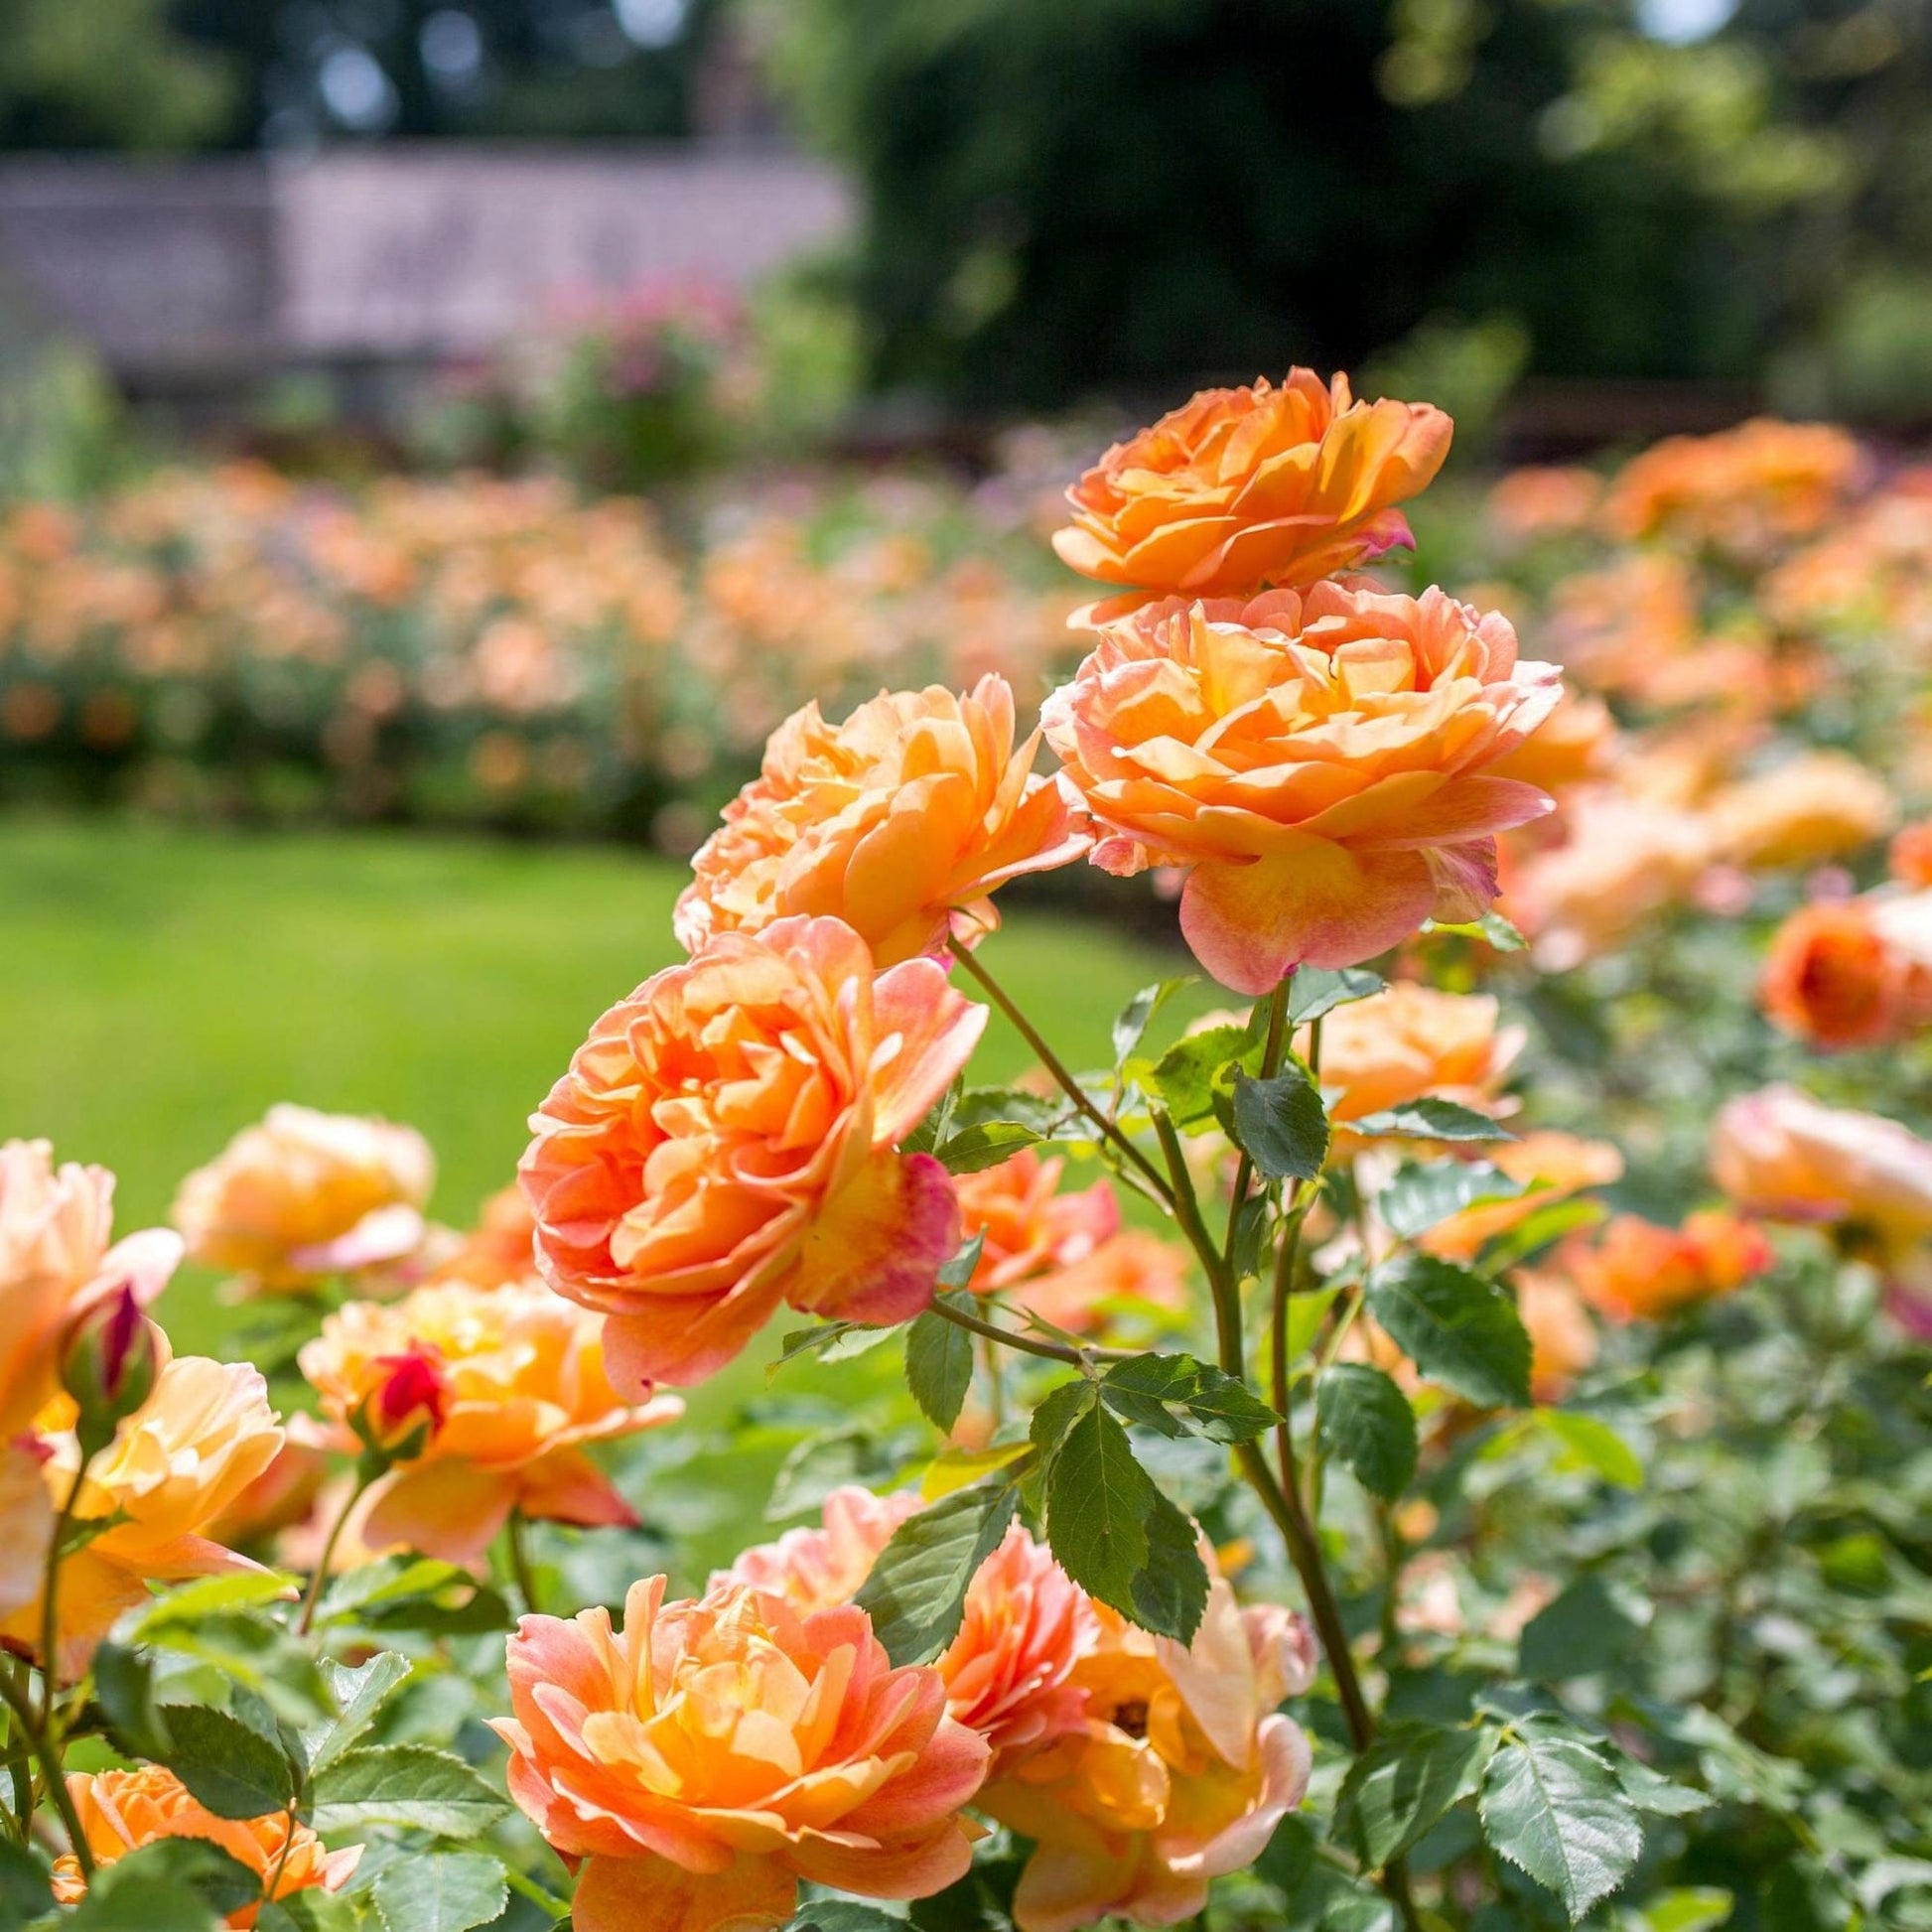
x=1030 y=1226
x=1550 y=1166
x=1563 y=1338
x=1909 y=858
x=121 y=1810
x=1025 y=1623
x=1132 y=1272
x=705 y=1759
x=1577 y=742
x=1817 y=806
x=177 y=1465
x=521 y=1397
x=1178 y=1774
x=1319 y=763
x=724 y=1142
x=501 y=1248
x=903 y=821
x=303 y=1195
x=1244 y=488
x=56 y=1264
x=1834 y=979
x=1411 y=1040
x=25 y=1523
x=1636 y=1271
x=285 y=1494
x=1544 y=502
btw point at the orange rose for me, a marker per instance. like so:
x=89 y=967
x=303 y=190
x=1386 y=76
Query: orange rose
x=1563 y=1338
x=1319 y=763
x=714 y=1754
x=1178 y=1774
x=1834 y=979
x=304 y=1196
x=1132 y=1272
x=500 y=1249
x=520 y=1395
x=121 y=1810
x=25 y=1523
x=1745 y=487
x=823 y=1566
x=284 y=1494
x=1244 y=488
x=1030 y=1227
x=1411 y=1040
x=56 y=1264
x=901 y=822
x=1550 y=1166
x=1575 y=744
x=1636 y=1271
x=723 y=1142
x=1543 y=502
x=1816 y=806
x=1909 y=859
x=175 y=1468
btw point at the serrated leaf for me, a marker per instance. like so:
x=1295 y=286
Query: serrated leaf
x=1134 y=1018
x=1403 y=1783
x=1456 y=1327
x=843 y=1915
x=1555 y=1809
x=939 y=1363
x=231 y=1768
x=958 y=1271
x=1663 y=1797
x=974 y=1148
x=1593 y=1444
x=1317 y=990
x=244 y=1589
x=1056 y=1413
x=445 y=1891
x=1429 y=1119
x=360 y=1694
x=1105 y=1520
x=1177 y=1395
x=915 y=1594
x=124 y=1689
x=1169 y=1589
x=26 y=1884
x=1422 y=1195
x=1280 y=1124
x=171 y=1885
x=1191 y=1076
x=1585 y=1628
x=958 y=1467
x=1368 y=1426
x=404 y=1784
x=831 y=1459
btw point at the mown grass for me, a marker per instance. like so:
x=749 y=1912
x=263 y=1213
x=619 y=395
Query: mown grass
x=161 y=987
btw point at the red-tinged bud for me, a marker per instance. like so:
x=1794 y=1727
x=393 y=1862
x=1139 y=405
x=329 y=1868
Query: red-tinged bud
x=405 y=1408
x=108 y=1368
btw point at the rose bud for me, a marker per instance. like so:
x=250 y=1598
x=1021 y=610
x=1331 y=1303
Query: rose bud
x=108 y=1368
x=404 y=1407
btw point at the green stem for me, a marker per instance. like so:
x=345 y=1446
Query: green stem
x=1050 y=1351
x=49 y=1596
x=1244 y=1173
x=520 y=1567
x=51 y=1774
x=1053 y=1065
x=306 y=1622
x=546 y=1901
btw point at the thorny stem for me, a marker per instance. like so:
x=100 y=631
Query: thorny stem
x=1057 y=1069
x=20 y=1704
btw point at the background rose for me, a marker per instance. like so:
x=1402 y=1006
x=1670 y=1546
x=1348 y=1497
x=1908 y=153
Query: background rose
x=723 y=1142
x=1411 y=1040
x=1317 y=760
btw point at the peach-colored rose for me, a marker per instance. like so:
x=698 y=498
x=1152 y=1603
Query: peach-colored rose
x=1411 y=1040
x=499 y=1249
x=704 y=1761
x=1575 y=744
x=1132 y=1272
x=56 y=1263
x=303 y=1195
x=1636 y=1271
x=1030 y=1225
x=285 y=1494
x=1834 y=979
x=1816 y=806
x=25 y=1523
x=1909 y=857
x=121 y=1810
x=1259 y=485
x=1550 y=1166
x=1178 y=1776
x=521 y=1394
x=177 y=1465
x=724 y=1142
x=1563 y=1338
x=1319 y=762
x=1543 y=502
x=903 y=821
x=1025 y=1623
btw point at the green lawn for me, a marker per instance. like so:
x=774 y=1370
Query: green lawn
x=159 y=988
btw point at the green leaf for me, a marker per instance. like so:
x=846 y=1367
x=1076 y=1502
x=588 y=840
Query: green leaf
x=1555 y=1809
x=1587 y=1627
x=415 y=1593
x=1689 y=1908
x=939 y=1363
x=1368 y=1424
x=1492 y=929
x=958 y=1271
x=1663 y=1797
x=359 y=1693
x=1133 y=1020
x=1317 y=990
x=1281 y=1124
x=314 y=1910
x=1424 y=1194
x=1459 y=1330
x=179 y=1879
x=1592 y=1444
x=843 y=1915
x=447 y=1892
x=1106 y=1522
x=1056 y=1413
x=1540 y=1228
x=1177 y=1395
x=26 y=1884
x=985 y=1146
x=244 y=1590
x=233 y=1769
x=405 y=1784
x=1192 y=1074
x=1430 y=1120
x=1403 y=1783
x=916 y=1592
x=124 y=1689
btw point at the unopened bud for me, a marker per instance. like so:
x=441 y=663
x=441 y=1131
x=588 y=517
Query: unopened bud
x=108 y=1368
x=405 y=1408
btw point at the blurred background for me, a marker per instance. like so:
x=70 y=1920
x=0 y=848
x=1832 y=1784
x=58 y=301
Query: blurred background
x=429 y=418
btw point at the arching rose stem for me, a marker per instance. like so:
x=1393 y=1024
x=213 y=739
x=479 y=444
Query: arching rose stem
x=20 y=1704
x=1052 y=1062
x=519 y=1554
x=306 y=1622
x=1287 y=1259
x=1051 y=1351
